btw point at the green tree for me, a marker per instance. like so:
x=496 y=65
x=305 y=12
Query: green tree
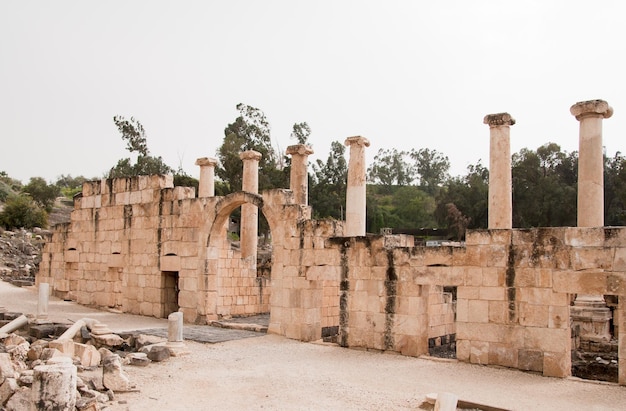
x=469 y=194
x=301 y=133
x=327 y=192
x=390 y=168
x=249 y=131
x=20 y=211
x=432 y=168
x=135 y=136
x=70 y=186
x=615 y=190
x=42 y=193
x=544 y=187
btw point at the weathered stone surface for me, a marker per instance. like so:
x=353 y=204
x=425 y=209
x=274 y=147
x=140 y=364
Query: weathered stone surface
x=87 y=354
x=145 y=339
x=6 y=367
x=54 y=386
x=107 y=340
x=42 y=330
x=113 y=376
x=7 y=389
x=138 y=359
x=159 y=353
x=20 y=400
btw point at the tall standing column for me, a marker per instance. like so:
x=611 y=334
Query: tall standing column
x=356 y=190
x=590 y=311
x=500 y=209
x=206 y=186
x=249 y=225
x=591 y=161
x=299 y=177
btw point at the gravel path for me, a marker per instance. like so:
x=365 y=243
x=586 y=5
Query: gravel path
x=274 y=373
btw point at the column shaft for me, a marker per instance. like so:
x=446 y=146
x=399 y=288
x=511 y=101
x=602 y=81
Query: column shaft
x=500 y=198
x=249 y=225
x=206 y=185
x=356 y=190
x=299 y=177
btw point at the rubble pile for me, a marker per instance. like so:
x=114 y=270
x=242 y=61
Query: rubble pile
x=20 y=255
x=45 y=365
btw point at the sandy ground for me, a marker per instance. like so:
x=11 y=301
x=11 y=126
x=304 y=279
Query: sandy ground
x=274 y=373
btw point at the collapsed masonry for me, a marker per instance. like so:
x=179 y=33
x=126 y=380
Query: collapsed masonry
x=142 y=246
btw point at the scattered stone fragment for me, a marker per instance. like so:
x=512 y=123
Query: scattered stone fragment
x=42 y=330
x=113 y=377
x=54 y=386
x=7 y=389
x=6 y=367
x=138 y=359
x=107 y=340
x=26 y=377
x=88 y=355
x=20 y=400
x=143 y=340
x=159 y=353
x=87 y=404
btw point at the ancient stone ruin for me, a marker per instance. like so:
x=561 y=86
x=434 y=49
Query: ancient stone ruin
x=518 y=298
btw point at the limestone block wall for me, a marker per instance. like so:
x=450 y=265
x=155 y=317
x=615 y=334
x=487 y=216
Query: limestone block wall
x=306 y=272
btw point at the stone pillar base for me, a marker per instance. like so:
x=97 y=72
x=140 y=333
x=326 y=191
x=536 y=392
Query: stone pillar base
x=593 y=317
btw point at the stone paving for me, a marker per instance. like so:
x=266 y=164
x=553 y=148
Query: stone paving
x=204 y=333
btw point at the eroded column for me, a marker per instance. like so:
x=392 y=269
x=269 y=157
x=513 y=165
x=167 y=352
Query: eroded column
x=206 y=186
x=249 y=225
x=591 y=161
x=590 y=312
x=356 y=190
x=500 y=209
x=299 y=177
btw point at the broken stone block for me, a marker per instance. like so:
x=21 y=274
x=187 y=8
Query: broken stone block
x=26 y=378
x=138 y=359
x=143 y=340
x=48 y=353
x=20 y=400
x=159 y=353
x=88 y=355
x=107 y=340
x=42 y=330
x=65 y=346
x=6 y=367
x=87 y=404
x=7 y=389
x=113 y=376
x=54 y=386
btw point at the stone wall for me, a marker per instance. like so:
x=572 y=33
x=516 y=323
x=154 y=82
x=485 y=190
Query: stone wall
x=141 y=246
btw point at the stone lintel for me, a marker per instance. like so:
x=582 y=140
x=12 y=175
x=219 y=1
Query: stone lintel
x=362 y=141
x=595 y=108
x=499 y=119
x=250 y=155
x=301 y=149
x=206 y=161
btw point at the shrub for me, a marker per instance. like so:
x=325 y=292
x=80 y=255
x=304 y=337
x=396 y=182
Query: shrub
x=20 y=211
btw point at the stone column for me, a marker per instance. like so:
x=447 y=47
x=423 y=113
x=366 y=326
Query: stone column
x=590 y=312
x=249 y=225
x=42 y=302
x=356 y=190
x=590 y=161
x=206 y=186
x=299 y=177
x=500 y=198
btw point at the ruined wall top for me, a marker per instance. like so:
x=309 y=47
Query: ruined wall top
x=301 y=149
x=126 y=184
x=499 y=119
x=358 y=140
x=250 y=155
x=591 y=107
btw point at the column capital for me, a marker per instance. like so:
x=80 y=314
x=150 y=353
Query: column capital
x=595 y=108
x=206 y=161
x=499 y=119
x=358 y=140
x=301 y=149
x=250 y=155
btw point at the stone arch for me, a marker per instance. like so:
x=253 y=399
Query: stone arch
x=215 y=228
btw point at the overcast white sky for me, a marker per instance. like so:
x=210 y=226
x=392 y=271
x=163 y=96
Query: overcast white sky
x=405 y=74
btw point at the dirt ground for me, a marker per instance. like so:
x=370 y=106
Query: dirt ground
x=274 y=373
